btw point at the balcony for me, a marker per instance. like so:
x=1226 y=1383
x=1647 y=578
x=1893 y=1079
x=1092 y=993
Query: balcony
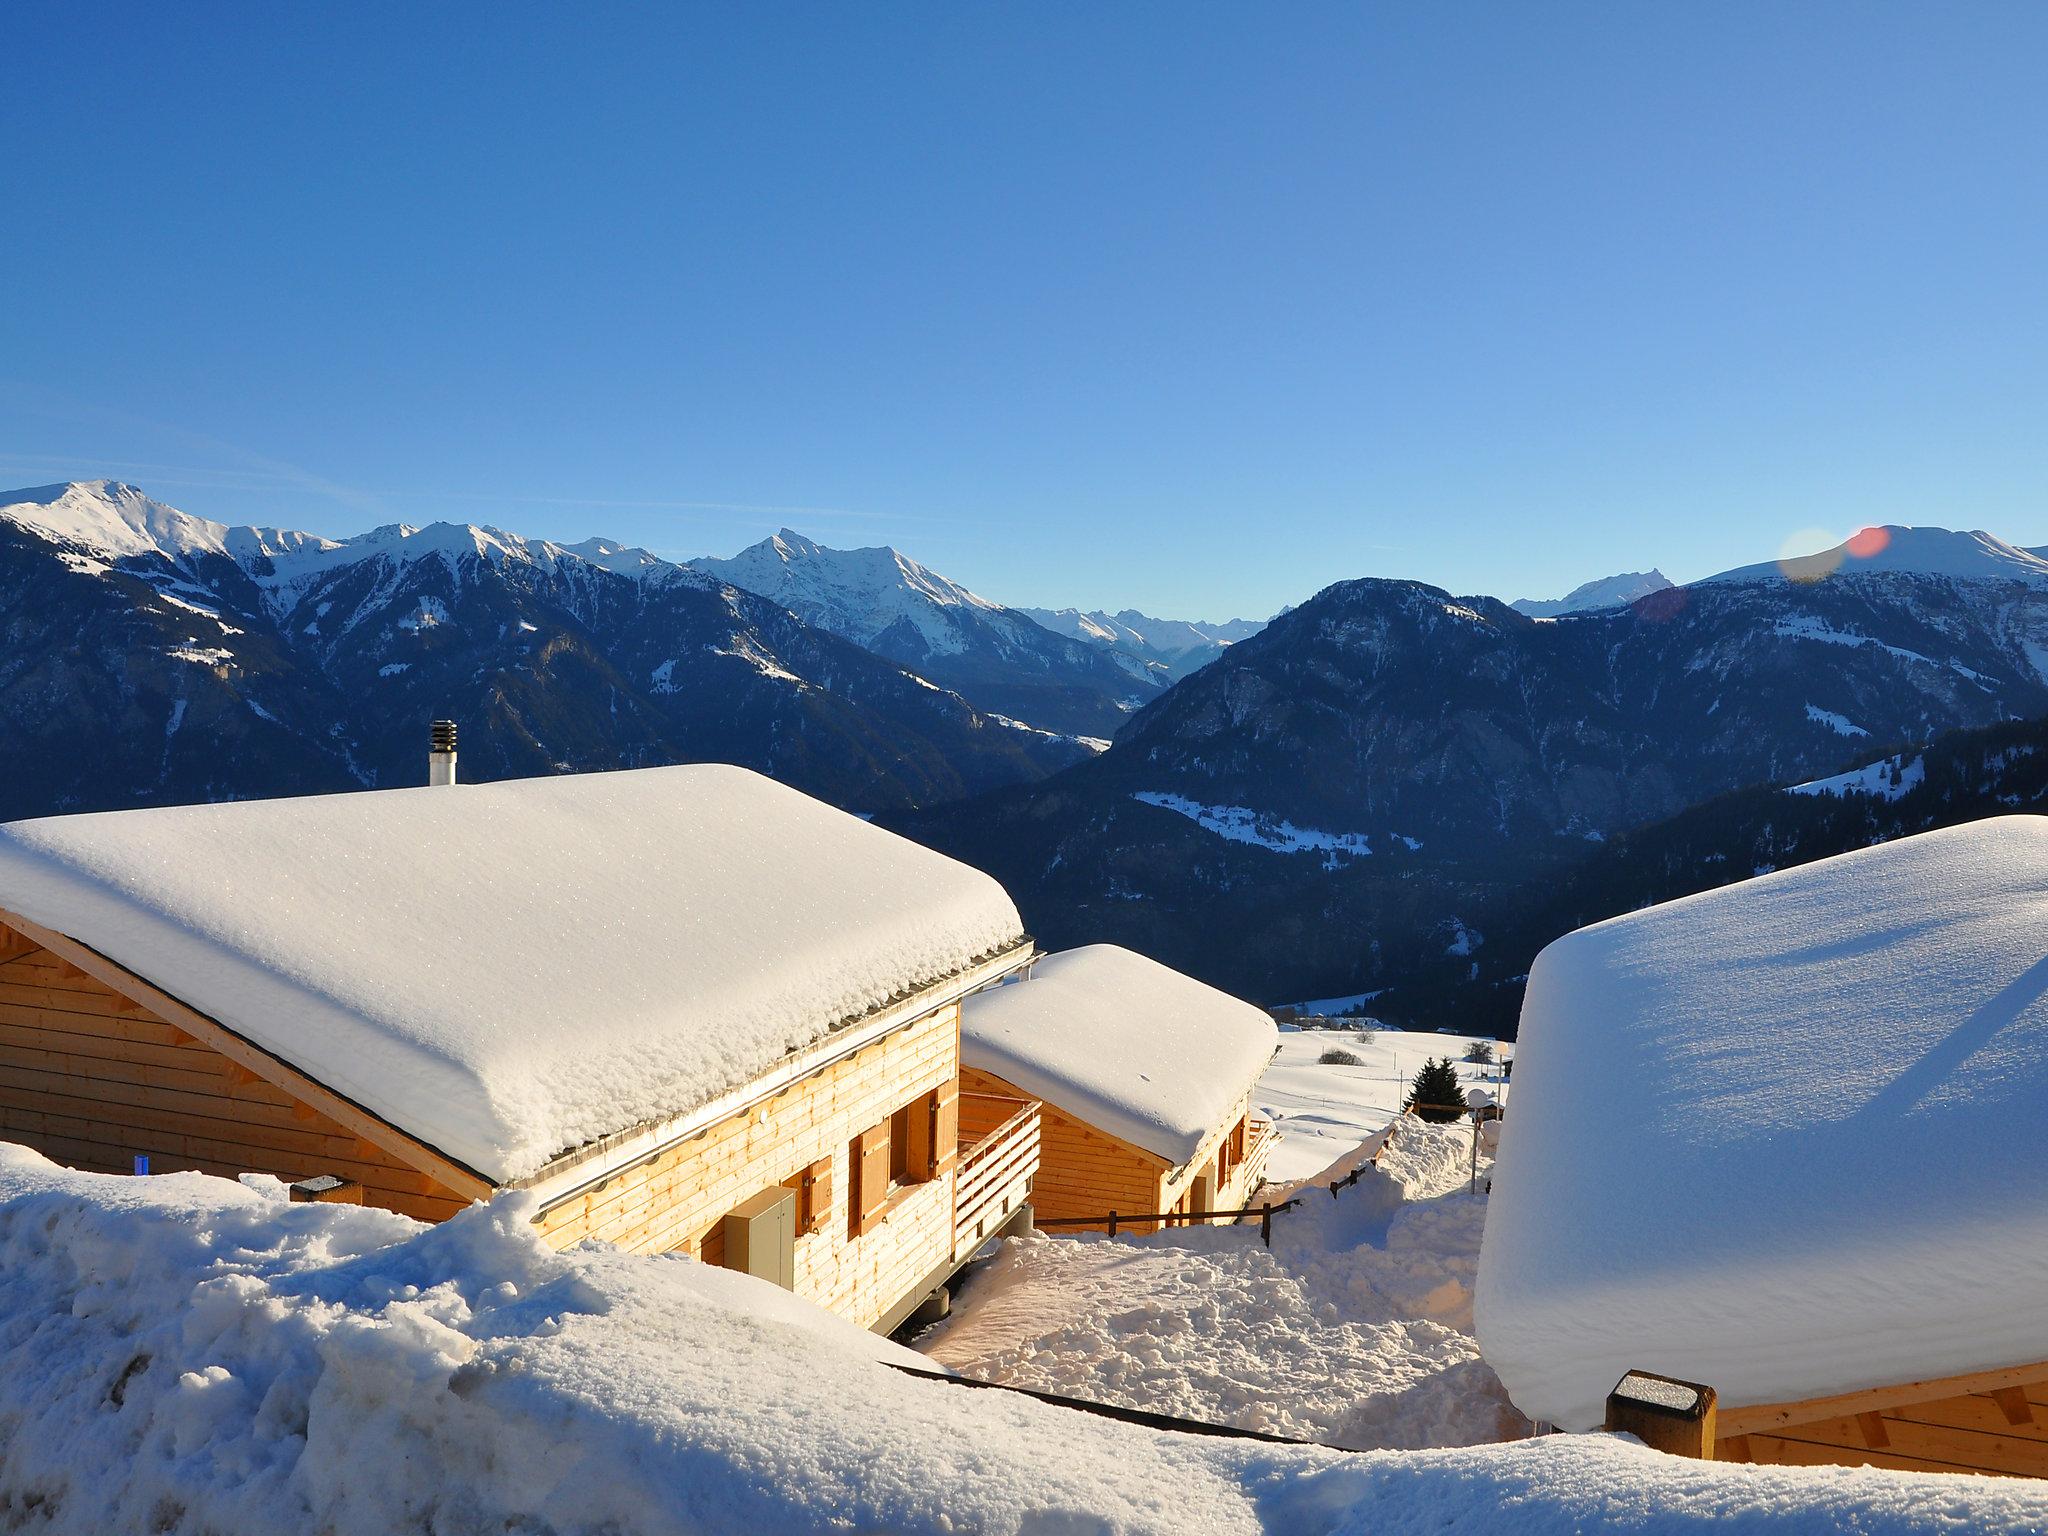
x=998 y=1160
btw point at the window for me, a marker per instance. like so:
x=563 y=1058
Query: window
x=918 y=1143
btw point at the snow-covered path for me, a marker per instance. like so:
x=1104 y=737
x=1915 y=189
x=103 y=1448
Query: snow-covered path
x=1354 y=1330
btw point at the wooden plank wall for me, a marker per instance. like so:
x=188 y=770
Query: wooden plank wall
x=2002 y=1432
x=1232 y=1193
x=679 y=1200
x=90 y=1079
x=1081 y=1172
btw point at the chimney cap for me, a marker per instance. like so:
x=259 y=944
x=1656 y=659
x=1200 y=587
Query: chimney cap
x=441 y=736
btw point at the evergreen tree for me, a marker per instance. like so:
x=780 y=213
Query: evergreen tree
x=1435 y=1091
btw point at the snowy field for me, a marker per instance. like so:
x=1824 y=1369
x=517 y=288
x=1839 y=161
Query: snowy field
x=184 y=1354
x=1354 y=1330
x=1323 y=1112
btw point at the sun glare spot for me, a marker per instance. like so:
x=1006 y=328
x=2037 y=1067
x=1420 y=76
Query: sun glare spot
x=1798 y=564
x=1869 y=541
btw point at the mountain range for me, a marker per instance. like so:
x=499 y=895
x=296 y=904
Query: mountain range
x=997 y=658
x=1171 y=648
x=147 y=656
x=1387 y=790
x=1331 y=806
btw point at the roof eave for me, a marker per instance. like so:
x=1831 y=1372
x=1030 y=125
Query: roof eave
x=581 y=1168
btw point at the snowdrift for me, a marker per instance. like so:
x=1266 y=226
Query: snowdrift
x=184 y=1353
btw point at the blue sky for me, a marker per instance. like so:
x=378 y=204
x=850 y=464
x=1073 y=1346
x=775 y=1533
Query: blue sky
x=1195 y=308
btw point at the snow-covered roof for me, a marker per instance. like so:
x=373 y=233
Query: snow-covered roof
x=1127 y=1044
x=1784 y=1138
x=509 y=970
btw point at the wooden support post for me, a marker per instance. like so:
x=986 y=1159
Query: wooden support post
x=1664 y=1413
x=1112 y=1223
x=1266 y=1223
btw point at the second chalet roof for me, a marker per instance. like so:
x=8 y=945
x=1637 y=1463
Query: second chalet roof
x=1134 y=1047
x=1785 y=1138
x=509 y=970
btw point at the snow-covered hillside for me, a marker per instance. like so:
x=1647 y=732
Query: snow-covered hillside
x=1323 y=1110
x=1592 y=596
x=994 y=656
x=186 y=1354
x=1971 y=556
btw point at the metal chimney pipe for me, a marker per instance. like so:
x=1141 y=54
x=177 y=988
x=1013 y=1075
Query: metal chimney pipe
x=441 y=752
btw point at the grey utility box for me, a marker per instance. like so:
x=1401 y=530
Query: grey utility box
x=760 y=1237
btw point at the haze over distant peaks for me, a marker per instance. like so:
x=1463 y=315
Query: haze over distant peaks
x=1591 y=597
x=1178 y=646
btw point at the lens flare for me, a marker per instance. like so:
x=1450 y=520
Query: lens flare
x=1800 y=566
x=1866 y=542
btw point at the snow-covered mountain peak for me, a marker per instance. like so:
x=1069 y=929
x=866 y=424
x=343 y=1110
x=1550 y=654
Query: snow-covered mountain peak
x=1592 y=596
x=1893 y=548
x=111 y=520
x=858 y=593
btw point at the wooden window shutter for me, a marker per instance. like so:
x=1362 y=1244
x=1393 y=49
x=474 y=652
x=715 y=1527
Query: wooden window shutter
x=814 y=1195
x=868 y=1177
x=945 y=1127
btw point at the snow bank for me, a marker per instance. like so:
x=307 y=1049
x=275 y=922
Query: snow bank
x=1354 y=1329
x=1784 y=1137
x=1127 y=1044
x=1324 y=1110
x=184 y=1354
x=508 y=970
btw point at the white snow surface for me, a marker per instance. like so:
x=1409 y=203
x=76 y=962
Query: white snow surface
x=1784 y=1137
x=1840 y=724
x=1973 y=555
x=1125 y=1043
x=509 y=970
x=1887 y=779
x=1354 y=1329
x=1325 y=1110
x=186 y=1354
x=1242 y=824
x=1594 y=596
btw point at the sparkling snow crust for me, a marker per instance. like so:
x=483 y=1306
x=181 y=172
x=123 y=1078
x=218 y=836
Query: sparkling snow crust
x=509 y=970
x=1783 y=1138
x=183 y=1353
x=1128 y=1044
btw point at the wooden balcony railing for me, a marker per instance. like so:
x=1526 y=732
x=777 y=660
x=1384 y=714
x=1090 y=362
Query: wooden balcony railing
x=994 y=1174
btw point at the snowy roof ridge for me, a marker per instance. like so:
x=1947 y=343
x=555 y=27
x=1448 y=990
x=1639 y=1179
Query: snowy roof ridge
x=695 y=926
x=1134 y=1047
x=1752 y=1128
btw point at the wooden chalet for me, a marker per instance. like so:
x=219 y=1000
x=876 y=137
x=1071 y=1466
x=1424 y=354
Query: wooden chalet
x=1782 y=1140
x=683 y=1008
x=1145 y=1078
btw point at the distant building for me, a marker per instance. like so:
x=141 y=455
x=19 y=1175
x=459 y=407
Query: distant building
x=1145 y=1076
x=685 y=1008
x=1785 y=1139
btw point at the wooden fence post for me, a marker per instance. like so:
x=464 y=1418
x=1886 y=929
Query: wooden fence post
x=1664 y=1413
x=1112 y=1223
x=1266 y=1223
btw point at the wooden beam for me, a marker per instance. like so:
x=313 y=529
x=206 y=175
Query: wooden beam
x=259 y=1063
x=1872 y=1425
x=1664 y=1413
x=2012 y=1402
x=1764 y=1418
